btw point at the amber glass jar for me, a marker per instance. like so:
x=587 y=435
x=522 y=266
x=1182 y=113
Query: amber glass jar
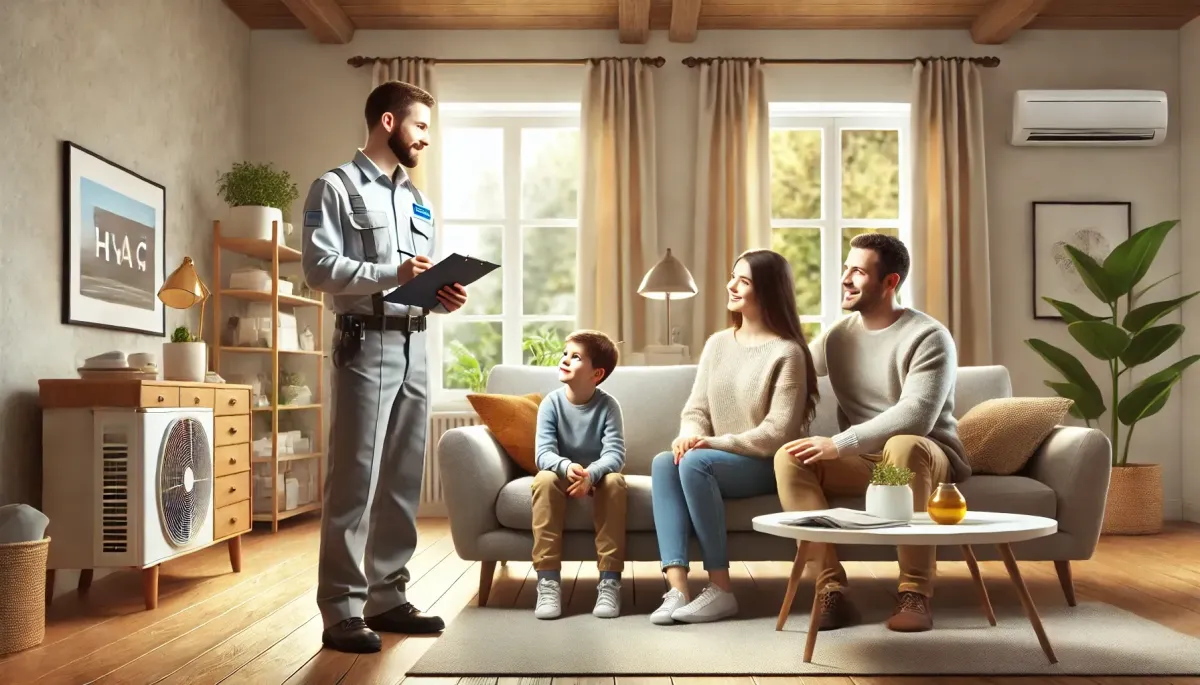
x=947 y=505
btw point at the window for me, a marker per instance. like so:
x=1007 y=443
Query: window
x=509 y=194
x=836 y=171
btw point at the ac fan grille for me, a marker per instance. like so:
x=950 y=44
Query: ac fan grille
x=184 y=480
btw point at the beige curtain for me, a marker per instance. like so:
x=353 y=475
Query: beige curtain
x=951 y=278
x=420 y=73
x=733 y=191
x=618 y=224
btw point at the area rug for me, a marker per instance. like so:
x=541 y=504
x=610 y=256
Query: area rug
x=1091 y=638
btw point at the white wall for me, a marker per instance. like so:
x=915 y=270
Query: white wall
x=1189 y=80
x=159 y=87
x=307 y=117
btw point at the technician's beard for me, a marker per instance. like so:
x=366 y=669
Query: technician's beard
x=403 y=152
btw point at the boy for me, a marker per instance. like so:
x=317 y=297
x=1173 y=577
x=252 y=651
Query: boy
x=580 y=450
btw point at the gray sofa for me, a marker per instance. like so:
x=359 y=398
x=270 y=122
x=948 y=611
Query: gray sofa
x=488 y=497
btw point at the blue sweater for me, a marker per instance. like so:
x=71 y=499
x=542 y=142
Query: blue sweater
x=591 y=435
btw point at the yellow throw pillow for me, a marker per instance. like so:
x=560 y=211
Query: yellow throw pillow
x=513 y=420
x=1000 y=435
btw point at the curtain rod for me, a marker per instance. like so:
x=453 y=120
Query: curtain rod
x=360 y=61
x=979 y=61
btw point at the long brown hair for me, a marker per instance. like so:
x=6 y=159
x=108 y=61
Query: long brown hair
x=776 y=294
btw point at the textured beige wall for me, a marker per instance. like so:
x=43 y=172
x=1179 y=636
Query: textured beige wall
x=157 y=86
x=1189 y=159
x=324 y=98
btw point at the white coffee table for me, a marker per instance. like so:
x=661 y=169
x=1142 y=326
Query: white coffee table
x=978 y=528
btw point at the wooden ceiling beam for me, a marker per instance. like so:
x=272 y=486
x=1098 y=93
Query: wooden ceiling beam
x=325 y=19
x=634 y=20
x=685 y=17
x=1003 y=18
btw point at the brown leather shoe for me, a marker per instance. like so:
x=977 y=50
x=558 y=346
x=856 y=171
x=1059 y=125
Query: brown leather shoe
x=912 y=614
x=836 y=610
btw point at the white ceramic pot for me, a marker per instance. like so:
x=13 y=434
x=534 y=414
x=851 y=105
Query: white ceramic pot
x=253 y=221
x=893 y=502
x=185 y=361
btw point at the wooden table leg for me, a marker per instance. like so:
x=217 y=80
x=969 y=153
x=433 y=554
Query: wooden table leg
x=793 y=583
x=85 y=580
x=150 y=586
x=1010 y=563
x=972 y=564
x=235 y=553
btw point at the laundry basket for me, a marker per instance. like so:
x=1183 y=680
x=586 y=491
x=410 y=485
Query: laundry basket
x=22 y=595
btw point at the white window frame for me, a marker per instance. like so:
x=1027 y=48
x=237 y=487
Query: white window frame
x=831 y=119
x=512 y=118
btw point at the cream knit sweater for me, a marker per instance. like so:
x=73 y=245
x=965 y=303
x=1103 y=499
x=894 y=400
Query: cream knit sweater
x=747 y=400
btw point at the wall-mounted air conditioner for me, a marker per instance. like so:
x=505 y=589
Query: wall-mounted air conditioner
x=1089 y=117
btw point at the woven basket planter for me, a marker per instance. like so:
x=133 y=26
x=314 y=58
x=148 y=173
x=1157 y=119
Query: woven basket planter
x=22 y=595
x=1135 y=501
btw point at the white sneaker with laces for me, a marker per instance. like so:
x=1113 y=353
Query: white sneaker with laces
x=608 y=599
x=549 y=599
x=672 y=600
x=713 y=604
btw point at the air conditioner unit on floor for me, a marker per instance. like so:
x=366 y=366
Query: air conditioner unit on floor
x=1089 y=117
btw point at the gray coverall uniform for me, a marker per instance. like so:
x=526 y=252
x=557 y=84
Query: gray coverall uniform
x=355 y=238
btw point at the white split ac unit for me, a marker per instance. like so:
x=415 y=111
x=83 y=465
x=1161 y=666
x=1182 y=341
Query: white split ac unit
x=1089 y=117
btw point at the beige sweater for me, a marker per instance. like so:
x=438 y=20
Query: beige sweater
x=745 y=400
x=895 y=381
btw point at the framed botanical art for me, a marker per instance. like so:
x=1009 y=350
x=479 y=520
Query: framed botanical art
x=114 y=255
x=1092 y=227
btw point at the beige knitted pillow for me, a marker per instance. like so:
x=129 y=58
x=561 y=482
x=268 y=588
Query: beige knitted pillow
x=1000 y=435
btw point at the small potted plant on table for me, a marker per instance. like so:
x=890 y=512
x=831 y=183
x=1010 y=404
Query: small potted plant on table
x=185 y=358
x=890 y=494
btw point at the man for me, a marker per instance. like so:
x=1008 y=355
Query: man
x=893 y=371
x=367 y=230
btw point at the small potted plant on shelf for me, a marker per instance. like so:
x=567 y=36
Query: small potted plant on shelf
x=185 y=358
x=257 y=194
x=890 y=494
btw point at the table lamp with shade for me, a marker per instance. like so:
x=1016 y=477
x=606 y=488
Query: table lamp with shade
x=667 y=280
x=185 y=360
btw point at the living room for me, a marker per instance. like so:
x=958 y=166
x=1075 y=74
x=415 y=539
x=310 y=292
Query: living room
x=178 y=92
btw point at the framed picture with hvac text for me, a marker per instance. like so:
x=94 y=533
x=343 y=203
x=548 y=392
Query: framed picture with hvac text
x=114 y=256
x=1094 y=228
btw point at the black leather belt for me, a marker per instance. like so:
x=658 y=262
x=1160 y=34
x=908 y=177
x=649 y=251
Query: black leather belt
x=356 y=323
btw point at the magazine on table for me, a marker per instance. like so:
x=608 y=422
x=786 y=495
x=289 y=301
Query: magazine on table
x=842 y=518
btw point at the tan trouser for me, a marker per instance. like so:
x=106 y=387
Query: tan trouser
x=805 y=487
x=549 y=512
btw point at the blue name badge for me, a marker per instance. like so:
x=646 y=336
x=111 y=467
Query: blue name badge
x=422 y=211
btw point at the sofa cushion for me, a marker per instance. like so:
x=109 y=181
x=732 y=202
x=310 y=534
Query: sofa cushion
x=1007 y=494
x=1000 y=435
x=512 y=419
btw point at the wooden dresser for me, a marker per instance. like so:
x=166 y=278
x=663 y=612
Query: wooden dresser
x=231 y=449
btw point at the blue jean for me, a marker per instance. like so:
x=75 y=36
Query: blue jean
x=690 y=497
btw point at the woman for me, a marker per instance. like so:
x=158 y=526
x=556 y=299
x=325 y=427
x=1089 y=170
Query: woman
x=755 y=390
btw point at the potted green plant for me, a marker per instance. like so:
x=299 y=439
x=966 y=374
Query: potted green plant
x=544 y=346
x=1122 y=342
x=889 y=494
x=185 y=358
x=257 y=195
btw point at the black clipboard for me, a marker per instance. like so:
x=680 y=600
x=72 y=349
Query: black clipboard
x=422 y=291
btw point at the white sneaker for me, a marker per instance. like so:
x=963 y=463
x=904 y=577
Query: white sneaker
x=713 y=604
x=549 y=599
x=608 y=599
x=672 y=601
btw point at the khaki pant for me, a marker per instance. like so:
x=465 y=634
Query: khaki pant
x=805 y=487
x=549 y=513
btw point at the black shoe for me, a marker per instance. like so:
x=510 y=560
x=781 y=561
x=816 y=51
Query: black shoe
x=407 y=619
x=351 y=635
x=836 y=611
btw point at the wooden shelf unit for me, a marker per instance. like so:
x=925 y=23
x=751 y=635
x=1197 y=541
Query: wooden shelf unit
x=275 y=254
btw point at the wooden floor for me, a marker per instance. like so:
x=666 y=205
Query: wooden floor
x=261 y=626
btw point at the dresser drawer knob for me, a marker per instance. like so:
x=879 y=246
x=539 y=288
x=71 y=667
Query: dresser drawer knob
x=232 y=488
x=233 y=520
x=196 y=400
x=233 y=461
x=232 y=430
x=232 y=401
x=161 y=398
